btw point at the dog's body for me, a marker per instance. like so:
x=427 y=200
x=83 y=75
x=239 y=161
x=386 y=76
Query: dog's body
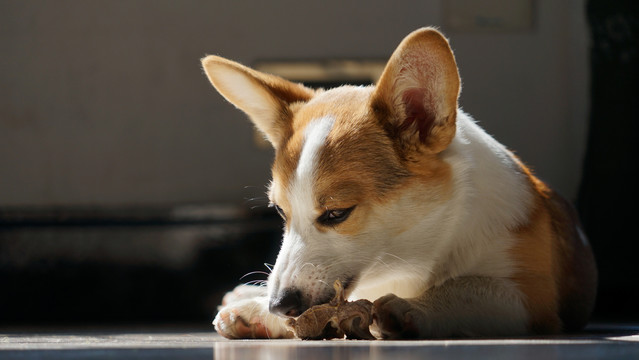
x=398 y=194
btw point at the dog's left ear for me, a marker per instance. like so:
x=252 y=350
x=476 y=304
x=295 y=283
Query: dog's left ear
x=418 y=91
x=265 y=98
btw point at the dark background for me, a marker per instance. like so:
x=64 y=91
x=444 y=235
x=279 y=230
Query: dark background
x=130 y=192
x=608 y=193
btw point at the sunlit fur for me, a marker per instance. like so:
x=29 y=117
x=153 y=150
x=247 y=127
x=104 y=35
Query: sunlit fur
x=464 y=238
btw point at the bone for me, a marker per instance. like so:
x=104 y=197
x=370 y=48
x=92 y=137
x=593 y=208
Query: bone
x=337 y=319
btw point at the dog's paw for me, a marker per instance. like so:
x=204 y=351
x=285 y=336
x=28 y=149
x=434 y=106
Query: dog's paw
x=250 y=319
x=397 y=318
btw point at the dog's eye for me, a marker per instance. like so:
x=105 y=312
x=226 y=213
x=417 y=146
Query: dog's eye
x=279 y=211
x=335 y=216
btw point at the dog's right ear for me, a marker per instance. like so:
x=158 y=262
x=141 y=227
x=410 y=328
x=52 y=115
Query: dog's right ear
x=265 y=98
x=417 y=92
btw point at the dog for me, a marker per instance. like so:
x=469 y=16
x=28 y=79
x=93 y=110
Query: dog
x=396 y=192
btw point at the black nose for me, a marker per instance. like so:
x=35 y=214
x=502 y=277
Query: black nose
x=288 y=302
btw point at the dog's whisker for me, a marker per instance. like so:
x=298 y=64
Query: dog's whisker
x=253 y=273
x=256 y=282
x=380 y=260
x=305 y=264
x=256 y=198
x=396 y=257
x=269 y=267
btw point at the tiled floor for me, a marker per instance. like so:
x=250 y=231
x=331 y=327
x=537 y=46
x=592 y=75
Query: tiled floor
x=599 y=342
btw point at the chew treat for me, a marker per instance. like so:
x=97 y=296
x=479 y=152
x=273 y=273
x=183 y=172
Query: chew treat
x=335 y=319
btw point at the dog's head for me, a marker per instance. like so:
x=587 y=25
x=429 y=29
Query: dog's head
x=354 y=167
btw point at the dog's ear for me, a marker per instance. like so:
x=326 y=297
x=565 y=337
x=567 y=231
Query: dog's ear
x=417 y=92
x=265 y=98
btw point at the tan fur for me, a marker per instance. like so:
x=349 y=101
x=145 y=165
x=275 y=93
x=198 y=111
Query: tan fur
x=536 y=274
x=575 y=266
x=368 y=169
x=556 y=271
x=368 y=166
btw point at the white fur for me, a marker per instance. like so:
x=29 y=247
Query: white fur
x=492 y=196
x=314 y=137
x=296 y=264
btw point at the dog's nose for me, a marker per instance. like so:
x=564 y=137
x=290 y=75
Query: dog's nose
x=289 y=302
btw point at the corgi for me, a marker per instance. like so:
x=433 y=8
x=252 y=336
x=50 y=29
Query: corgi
x=396 y=192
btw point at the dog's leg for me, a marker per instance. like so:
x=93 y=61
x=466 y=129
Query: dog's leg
x=466 y=306
x=244 y=315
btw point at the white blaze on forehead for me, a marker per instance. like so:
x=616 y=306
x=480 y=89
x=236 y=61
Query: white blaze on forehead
x=314 y=136
x=296 y=246
x=302 y=190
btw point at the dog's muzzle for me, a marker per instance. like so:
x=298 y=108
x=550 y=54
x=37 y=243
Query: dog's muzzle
x=289 y=302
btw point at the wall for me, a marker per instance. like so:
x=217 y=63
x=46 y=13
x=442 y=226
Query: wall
x=104 y=102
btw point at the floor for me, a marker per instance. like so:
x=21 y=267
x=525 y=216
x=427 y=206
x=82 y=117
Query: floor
x=598 y=342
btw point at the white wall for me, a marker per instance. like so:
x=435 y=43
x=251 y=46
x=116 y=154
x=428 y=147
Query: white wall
x=103 y=102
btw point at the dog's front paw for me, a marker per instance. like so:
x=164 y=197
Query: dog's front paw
x=250 y=319
x=397 y=318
